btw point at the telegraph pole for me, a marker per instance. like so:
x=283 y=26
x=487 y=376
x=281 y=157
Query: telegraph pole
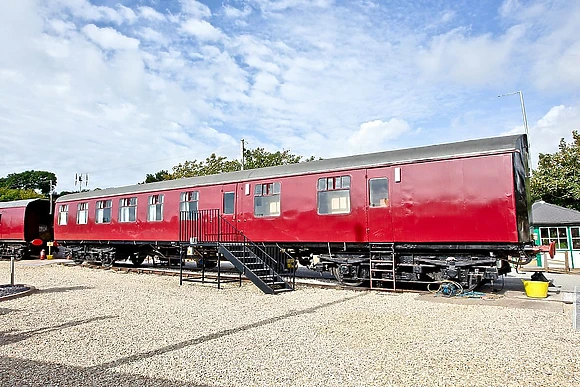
x=50 y=195
x=243 y=151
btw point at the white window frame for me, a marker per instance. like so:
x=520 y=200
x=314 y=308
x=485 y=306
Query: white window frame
x=155 y=210
x=101 y=207
x=189 y=201
x=267 y=199
x=127 y=207
x=63 y=215
x=546 y=239
x=83 y=213
x=337 y=189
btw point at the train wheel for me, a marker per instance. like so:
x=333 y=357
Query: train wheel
x=138 y=259
x=344 y=281
x=107 y=261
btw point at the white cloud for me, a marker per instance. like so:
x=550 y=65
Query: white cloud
x=265 y=82
x=151 y=35
x=447 y=17
x=195 y=8
x=545 y=133
x=280 y=5
x=481 y=60
x=557 y=123
x=127 y=13
x=61 y=27
x=373 y=135
x=302 y=75
x=109 y=38
x=236 y=13
x=150 y=14
x=202 y=30
x=85 y=10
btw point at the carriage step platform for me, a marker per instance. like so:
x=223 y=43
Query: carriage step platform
x=382 y=266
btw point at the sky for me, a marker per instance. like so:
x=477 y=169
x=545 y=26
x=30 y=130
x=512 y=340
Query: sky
x=119 y=89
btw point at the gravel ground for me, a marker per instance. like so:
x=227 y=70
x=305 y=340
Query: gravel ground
x=98 y=327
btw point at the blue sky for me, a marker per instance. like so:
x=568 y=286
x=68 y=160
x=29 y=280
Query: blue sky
x=118 y=89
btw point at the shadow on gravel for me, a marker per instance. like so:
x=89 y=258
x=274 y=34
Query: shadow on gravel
x=8 y=337
x=4 y=311
x=23 y=372
x=63 y=289
x=217 y=335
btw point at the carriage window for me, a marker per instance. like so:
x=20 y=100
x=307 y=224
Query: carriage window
x=229 y=198
x=155 y=212
x=63 y=214
x=379 y=192
x=188 y=201
x=82 y=213
x=103 y=213
x=128 y=210
x=334 y=195
x=267 y=199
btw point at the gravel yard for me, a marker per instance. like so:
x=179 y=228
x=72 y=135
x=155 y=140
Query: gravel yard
x=98 y=327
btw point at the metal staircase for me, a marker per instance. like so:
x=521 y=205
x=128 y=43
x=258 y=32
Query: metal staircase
x=257 y=265
x=382 y=266
x=262 y=265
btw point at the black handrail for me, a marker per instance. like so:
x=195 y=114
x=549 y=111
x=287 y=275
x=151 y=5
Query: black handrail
x=210 y=227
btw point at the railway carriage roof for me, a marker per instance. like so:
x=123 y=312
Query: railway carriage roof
x=17 y=203
x=484 y=146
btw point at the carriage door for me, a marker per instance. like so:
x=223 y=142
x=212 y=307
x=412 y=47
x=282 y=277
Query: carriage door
x=378 y=206
x=228 y=208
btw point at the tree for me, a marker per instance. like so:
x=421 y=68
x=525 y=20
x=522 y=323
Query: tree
x=260 y=158
x=157 y=176
x=253 y=158
x=211 y=166
x=557 y=179
x=30 y=180
x=9 y=194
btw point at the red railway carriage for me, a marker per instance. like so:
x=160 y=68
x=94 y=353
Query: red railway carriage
x=444 y=211
x=22 y=222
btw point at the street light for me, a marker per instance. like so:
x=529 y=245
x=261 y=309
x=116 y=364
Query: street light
x=523 y=111
x=525 y=122
x=529 y=166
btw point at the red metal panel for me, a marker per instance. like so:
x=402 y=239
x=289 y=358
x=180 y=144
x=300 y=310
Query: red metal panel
x=463 y=200
x=12 y=226
x=299 y=220
x=460 y=200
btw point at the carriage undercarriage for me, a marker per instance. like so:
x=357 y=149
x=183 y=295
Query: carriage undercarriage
x=468 y=265
x=351 y=265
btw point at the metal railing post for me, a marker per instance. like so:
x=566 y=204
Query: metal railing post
x=180 y=264
x=12 y=271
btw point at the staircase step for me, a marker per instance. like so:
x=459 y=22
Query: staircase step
x=260 y=272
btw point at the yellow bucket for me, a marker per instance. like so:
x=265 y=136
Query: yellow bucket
x=49 y=256
x=536 y=289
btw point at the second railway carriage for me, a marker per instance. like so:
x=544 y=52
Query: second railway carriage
x=25 y=225
x=453 y=211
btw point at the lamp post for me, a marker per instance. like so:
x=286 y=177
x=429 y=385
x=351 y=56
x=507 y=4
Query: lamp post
x=529 y=151
x=523 y=111
x=525 y=122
